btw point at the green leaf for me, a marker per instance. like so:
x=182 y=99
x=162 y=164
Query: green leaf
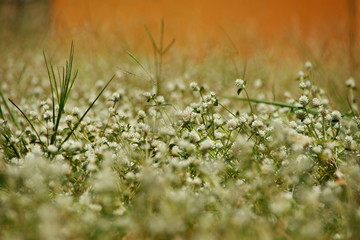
x=239 y=91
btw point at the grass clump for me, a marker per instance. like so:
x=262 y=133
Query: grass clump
x=60 y=87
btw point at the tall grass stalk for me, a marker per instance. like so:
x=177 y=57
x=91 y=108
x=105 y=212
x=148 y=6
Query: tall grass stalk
x=159 y=51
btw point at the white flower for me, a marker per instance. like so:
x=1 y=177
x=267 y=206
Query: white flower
x=301 y=74
x=218 y=135
x=307 y=121
x=336 y=115
x=115 y=97
x=316 y=102
x=350 y=83
x=75 y=111
x=147 y=94
x=160 y=99
x=219 y=145
x=207 y=144
x=232 y=124
x=302 y=85
x=175 y=151
x=52 y=149
x=49 y=126
x=257 y=124
x=194 y=86
x=240 y=83
x=293 y=124
x=308 y=65
x=141 y=114
x=69 y=119
x=186 y=114
x=194 y=137
x=317 y=149
x=303 y=100
x=318 y=126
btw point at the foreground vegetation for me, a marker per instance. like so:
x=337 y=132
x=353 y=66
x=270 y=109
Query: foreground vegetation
x=123 y=163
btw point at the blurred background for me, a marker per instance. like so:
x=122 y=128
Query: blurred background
x=323 y=31
x=200 y=24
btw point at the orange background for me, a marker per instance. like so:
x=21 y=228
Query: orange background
x=204 y=21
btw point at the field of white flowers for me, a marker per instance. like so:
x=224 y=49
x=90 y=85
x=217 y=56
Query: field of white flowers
x=118 y=159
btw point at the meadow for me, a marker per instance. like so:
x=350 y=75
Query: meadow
x=114 y=144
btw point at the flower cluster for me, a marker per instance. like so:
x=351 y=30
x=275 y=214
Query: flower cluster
x=187 y=165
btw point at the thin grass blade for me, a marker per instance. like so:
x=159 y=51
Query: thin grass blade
x=28 y=120
x=12 y=116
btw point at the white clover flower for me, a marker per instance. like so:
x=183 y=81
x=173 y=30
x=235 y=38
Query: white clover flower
x=318 y=126
x=348 y=139
x=219 y=135
x=308 y=65
x=262 y=147
x=350 y=83
x=300 y=114
x=33 y=114
x=328 y=117
x=69 y=119
x=301 y=74
x=317 y=149
x=243 y=119
x=262 y=133
x=194 y=86
x=115 y=97
x=316 y=102
x=218 y=145
x=186 y=114
x=52 y=149
x=293 y=124
x=336 y=115
x=349 y=142
x=257 y=124
x=240 y=83
x=307 y=121
x=302 y=85
x=175 y=150
x=303 y=100
x=300 y=128
x=326 y=154
x=75 y=112
x=147 y=94
x=194 y=136
x=141 y=114
x=50 y=126
x=218 y=122
x=47 y=115
x=160 y=99
x=232 y=124
x=207 y=144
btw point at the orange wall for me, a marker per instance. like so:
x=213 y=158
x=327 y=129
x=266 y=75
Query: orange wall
x=202 y=20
